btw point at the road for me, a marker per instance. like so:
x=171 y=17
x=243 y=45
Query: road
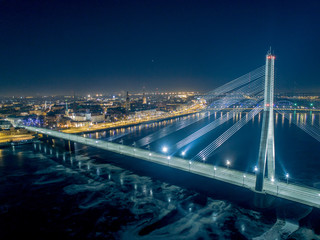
x=100 y=126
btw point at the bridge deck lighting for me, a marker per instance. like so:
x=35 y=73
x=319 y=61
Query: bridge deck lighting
x=165 y=149
x=150 y=154
x=228 y=163
x=287 y=177
x=183 y=153
x=255 y=169
x=169 y=157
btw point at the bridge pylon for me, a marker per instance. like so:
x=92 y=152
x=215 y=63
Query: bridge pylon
x=266 y=149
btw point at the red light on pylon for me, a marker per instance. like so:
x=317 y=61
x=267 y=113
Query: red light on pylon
x=267 y=105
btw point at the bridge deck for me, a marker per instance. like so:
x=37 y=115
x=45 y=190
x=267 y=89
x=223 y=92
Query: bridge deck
x=302 y=194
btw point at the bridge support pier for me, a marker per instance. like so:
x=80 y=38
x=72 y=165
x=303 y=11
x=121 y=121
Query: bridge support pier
x=69 y=146
x=48 y=140
x=262 y=200
x=266 y=150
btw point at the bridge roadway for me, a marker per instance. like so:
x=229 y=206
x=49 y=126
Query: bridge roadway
x=302 y=194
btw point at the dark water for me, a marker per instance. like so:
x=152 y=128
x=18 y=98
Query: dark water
x=47 y=193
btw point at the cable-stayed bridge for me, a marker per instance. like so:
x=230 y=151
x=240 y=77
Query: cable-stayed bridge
x=252 y=91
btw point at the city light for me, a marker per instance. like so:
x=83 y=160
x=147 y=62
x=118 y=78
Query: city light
x=255 y=169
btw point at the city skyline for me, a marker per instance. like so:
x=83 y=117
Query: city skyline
x=61 y=48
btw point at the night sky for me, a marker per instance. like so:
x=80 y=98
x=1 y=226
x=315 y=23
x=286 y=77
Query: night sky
x=57 y=47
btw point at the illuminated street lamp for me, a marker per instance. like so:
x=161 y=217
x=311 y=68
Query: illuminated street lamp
x=183 y=154
x=165 y=149
x=121 y=143
x=189 y=165
x=255 y=169
x=287 y=177
x=244 y=176
x=228 y=163
x=214 y=170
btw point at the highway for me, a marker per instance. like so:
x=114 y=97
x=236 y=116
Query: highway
x=135 y=121
x=15 y=138
x=302 y=194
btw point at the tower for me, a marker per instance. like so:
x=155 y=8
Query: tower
x=67 y=110
x=144 y=99
x=266 y=149
x=127 y=105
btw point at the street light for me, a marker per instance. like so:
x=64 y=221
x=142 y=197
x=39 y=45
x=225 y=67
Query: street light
x=214 y=170
x=189 y=165
x=244 y=176
x=287 y=177
x=164 y=149
x=255 y=169
x=228 y=163
x=183 y=154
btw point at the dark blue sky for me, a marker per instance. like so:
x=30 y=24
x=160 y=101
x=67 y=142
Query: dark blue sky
x=52 y=47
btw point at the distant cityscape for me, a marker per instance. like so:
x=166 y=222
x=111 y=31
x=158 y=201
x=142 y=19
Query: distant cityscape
x=75 y=114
